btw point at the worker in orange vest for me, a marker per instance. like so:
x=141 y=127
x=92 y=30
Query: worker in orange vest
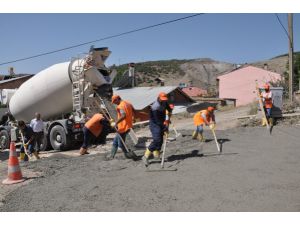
x=92 y=130
x=125 y=112
x=201 y=118
x=267 y=97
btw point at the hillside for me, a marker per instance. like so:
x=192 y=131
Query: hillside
x=201 y=73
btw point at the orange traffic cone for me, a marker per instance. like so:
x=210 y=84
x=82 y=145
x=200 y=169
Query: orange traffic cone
x=14 y=171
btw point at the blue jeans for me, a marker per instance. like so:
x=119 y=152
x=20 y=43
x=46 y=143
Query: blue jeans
x=87 y=137
x=199 y=129
x=30 y=149
x=118 y=143
x=268 y=112
x=157 y=136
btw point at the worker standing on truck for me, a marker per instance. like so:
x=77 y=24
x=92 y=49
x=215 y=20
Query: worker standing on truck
x=125 y=112
x=201 y=118
x=27 y=142
x=267 y=97
x=37 y=126
x=159 y=124
x=92 y=130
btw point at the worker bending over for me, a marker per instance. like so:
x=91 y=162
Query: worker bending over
x=123 y=125
x=267 y=97
x=201 y=118
x=92 y=130
x=159 y=124
x=27 y=142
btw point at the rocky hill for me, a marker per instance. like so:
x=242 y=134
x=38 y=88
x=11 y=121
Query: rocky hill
x=201 y=73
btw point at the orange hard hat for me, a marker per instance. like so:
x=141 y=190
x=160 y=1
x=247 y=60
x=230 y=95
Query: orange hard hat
x=267 y=86
x=210 y=109
x=163 y=96
x=114 y=98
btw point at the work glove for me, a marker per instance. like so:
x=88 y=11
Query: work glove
x=167 y=122
x=26 y=145
x=212 y=126
x=112 y=123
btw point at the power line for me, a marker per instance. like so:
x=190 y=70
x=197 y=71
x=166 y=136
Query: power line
x=102 y=39
x=283 y=27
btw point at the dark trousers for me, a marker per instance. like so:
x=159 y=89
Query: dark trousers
x=157 y=136
x=87 y=137
x=38 y=140
x=118 y=143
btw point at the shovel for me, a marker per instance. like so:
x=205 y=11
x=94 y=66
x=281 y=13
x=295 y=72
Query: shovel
x=216 y=140
x=162 y=164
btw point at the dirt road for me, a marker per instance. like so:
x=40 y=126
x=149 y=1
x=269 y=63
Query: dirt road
x=255 y=172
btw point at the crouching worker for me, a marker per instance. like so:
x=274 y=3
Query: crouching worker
x=159 y=124
x=201 y=118
x=27 y=142
x=92 y=130
x=123 y=125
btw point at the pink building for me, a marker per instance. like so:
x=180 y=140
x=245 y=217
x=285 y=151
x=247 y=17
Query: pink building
x=240 y=83
x=194 y=91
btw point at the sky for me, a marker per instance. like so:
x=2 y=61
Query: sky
x=228 y=37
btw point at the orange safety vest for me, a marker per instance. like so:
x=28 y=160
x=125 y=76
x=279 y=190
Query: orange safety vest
x=198 y=119
x=125 y=124
x=268 y=99
x=94 y=124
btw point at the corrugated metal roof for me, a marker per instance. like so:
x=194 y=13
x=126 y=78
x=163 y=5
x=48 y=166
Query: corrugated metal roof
x=14 y=82
x=141 y=97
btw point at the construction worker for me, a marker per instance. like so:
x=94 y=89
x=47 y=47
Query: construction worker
x=92 y=130
x=201 y=118
x=123 y=125
x=37 y=126
x=267 y=97
x=159 y=124
x=27 y=142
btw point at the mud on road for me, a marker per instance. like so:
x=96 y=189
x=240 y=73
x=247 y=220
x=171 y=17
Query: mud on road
x=255 y=172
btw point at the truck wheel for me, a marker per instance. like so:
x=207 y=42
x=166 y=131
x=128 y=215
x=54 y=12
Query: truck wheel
x=4 y=139
x=58 y=138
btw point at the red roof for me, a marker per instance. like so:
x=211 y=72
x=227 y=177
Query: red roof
x=194 y=91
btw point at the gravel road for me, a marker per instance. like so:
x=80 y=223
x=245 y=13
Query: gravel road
x=255 y=172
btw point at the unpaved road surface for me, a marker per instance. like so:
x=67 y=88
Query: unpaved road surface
x=255 y=172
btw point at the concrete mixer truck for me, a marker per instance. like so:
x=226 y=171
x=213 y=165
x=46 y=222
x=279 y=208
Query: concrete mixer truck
x=61 y=93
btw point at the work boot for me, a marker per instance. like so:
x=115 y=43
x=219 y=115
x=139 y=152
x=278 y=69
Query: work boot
x=194 y=135
x=83 y=151
x=263 y=122
x=145 y=161
x=36 y=155
x=271 y=121
x=146 y=156
x=156 y=154
x=23 y=157
x=113 y=152
x=201 y=138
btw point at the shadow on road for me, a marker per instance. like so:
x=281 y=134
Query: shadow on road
x=194 y=153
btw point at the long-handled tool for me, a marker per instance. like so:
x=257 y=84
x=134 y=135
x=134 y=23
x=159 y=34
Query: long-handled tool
x=262 y=106
x=216 y=140
x=162 y=164
x=129 y=153
x=24 y=145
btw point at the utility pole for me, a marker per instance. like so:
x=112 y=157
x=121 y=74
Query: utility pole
x=291 y=53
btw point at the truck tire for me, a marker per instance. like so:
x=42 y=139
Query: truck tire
x=4 y=139
x=58 y=138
